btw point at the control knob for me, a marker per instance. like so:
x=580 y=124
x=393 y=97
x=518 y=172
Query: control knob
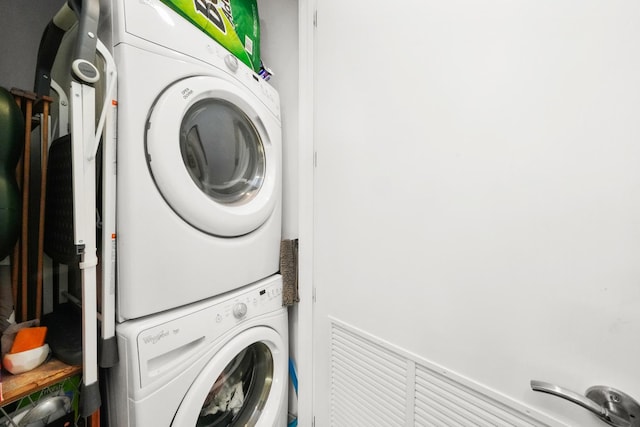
x=231 y=62
x=239 y=310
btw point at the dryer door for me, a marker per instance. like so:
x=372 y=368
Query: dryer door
x=243 y=385
x=212 y=151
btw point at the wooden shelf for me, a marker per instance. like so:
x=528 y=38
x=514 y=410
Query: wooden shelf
x=15 y=387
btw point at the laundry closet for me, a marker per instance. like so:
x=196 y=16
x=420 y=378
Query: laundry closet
x=178 y=139
x=462 y=180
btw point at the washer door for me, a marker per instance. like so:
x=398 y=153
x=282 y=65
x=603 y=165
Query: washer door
x=211 y=155
x=243 y=385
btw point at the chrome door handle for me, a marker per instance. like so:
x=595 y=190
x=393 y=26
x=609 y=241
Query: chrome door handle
x=612 y=406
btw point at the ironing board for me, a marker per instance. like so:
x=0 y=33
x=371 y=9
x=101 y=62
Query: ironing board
x=85 y=143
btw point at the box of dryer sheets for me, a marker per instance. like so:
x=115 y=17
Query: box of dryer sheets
x=234 y=24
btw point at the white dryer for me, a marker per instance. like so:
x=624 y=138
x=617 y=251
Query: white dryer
x=199 y=164
x=220 y=363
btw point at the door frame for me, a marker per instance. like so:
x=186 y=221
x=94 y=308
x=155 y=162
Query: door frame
x=306 y=160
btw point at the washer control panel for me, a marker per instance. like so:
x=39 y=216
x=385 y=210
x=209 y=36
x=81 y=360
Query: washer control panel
x=170 y=339
x=252 y=303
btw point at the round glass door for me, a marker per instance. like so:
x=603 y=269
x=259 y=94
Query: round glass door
x=239 y=394
x=222 y=151
x=213 y=151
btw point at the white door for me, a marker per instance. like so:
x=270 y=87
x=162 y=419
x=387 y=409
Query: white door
x=477 y=209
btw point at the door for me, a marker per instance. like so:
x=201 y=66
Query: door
x=243 y=384
x=211 y=155
x=477 y=210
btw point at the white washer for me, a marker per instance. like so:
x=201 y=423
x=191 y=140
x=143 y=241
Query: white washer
x=199 y=164
x=178 y=367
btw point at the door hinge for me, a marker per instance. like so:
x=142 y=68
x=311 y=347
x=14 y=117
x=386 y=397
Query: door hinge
x=313 y=421
x=315 y=18
x=315 y=159
x=313 y=296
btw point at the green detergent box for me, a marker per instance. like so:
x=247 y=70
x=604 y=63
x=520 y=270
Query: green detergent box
x=234 y=24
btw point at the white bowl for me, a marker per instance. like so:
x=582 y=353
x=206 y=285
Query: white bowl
x=24 y=361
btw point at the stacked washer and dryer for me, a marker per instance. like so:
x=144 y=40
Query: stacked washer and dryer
x=201 y=332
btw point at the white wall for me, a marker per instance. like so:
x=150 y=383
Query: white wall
x=477 y=188
x=279 y=51
x=21 y=25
